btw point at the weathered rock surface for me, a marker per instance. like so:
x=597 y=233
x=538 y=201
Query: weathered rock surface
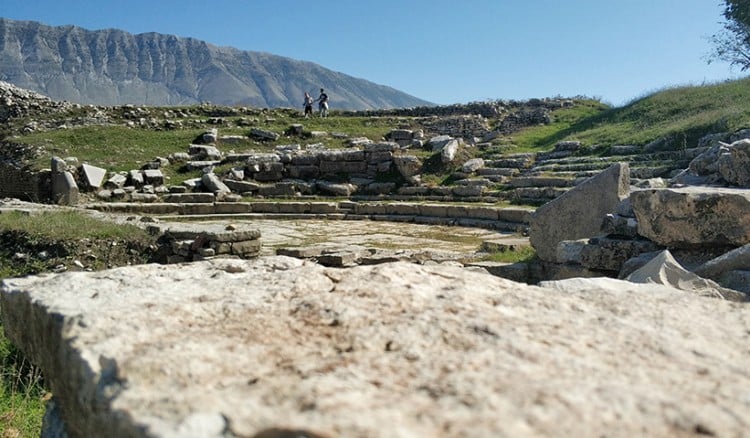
x=408 y=166
x=693 y=216
x=579 y=212
x=232 y=347
x=737 y=259
x=664 y=269
x=734 y=165
x=92 y=176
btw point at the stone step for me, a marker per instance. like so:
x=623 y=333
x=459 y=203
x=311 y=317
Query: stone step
x=601 y=165
x=644 y=172
x=533 y=195
x=687 y=154
x=510 y=162
x=570 y=167
x=497 y=171
x=541 y=181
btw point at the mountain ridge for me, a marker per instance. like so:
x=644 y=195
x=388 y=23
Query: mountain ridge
x=113 y=67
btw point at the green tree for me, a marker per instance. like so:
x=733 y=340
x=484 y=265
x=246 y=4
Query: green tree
x=732 y=44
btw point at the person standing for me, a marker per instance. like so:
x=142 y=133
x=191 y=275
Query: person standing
x=323 y=103
x=308 y=104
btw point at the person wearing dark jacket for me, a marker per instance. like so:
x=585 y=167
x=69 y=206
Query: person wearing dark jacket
x=323 y=103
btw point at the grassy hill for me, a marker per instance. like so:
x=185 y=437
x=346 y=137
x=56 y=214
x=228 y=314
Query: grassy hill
x=678 y=115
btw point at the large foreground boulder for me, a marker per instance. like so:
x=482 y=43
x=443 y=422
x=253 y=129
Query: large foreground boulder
x=239 y=348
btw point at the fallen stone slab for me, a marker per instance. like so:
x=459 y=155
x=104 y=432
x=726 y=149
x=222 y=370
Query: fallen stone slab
x=249 y=348
x=578 y=213
x=93 y=176
x=736 y=279
x=736 y=259
x=201 y=164
x=214 y=184
x=116 y=181
x=153 y=176
x=204 y=152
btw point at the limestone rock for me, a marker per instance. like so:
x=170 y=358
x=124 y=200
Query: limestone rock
x=408 y=166
x=737 y=259
x=336 y=189
x=569 y=251
x=237 y=348
x=241 y=186
x=609 y=253
x=92 y=176
x=693 y=216
x=214 y=184
x=116 y=181
x=437 y=143
x=664 y=269
x=135 y=178
x=199 y=152
x=472 y=165
x=449 y=151
x=64 y=188
x=153 y=176
x=634 y=263
x=734 y=166
x=707 y=162
x=578 y=213
x=614 y=224
x=210 y=136
x=264 y=134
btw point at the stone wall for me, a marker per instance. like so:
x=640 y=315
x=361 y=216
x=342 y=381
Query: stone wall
x=466 y=127
x=24 y=184
x=292 y=162
x=490 y=108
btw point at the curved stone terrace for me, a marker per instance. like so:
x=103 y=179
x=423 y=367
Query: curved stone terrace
x=511 y=219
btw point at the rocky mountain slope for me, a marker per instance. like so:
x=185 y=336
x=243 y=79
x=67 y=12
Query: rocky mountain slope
x=111 y=67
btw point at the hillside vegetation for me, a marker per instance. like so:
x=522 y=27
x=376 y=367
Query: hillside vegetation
x=676 y=117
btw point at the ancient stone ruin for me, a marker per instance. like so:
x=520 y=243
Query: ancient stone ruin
x=632 y=319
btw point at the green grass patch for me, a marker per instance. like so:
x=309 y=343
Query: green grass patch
x=679 y=116
x=114 y=148
x=68 y=225
x=521 y=254
x=564 y=120
x=22 y=393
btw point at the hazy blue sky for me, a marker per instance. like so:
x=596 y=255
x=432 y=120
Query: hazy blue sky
x=444 y=51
